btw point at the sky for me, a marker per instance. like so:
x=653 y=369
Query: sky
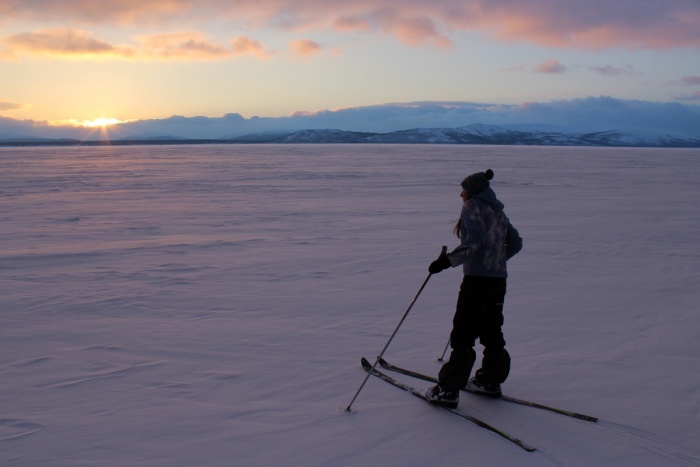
x=85 y=63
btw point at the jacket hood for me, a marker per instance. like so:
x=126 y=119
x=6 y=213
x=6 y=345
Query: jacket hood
x=488 y=196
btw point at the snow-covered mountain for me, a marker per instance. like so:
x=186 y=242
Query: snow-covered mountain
x=523 y=135
x=324 y=136
x=494 y=134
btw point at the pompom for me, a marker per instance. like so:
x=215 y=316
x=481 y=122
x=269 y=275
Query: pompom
x=489 y=174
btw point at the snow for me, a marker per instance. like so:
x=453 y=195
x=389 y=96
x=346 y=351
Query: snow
x=484 y=130
x=209 y=305
x=531 y=135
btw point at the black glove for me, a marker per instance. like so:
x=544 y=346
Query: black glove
x=440 y=264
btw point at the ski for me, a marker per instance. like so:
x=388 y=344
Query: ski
x=368 y=367
x=388 y=366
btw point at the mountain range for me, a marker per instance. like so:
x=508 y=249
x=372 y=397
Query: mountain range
x=472 y=134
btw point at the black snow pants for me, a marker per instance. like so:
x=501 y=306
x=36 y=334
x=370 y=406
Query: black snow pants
x=479 y=314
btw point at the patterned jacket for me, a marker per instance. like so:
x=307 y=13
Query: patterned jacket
x=488 y=238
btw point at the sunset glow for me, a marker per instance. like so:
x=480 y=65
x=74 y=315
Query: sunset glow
x=146 y=61
x=100 y=122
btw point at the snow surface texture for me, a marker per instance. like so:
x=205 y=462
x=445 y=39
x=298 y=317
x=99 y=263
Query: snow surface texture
x=209 y=305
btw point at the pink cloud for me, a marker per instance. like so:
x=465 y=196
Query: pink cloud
x=88 y=12
x=304 y=48
x=350 y=23
x=550 y=67
x=690 y=81
x=416 y=30
x=179 y=46
x=243 y=45
x=62 y=42
x=594 y=24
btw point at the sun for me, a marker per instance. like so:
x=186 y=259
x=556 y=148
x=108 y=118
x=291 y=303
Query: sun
x=101 y=128
x=100 y=122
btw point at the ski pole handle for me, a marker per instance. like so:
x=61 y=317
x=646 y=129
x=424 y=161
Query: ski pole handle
x=441 y=263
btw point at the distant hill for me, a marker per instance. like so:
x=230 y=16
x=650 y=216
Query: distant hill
x=493 y=134
x=151 y=137
x=523 y=135
x=28 y=140
x=325 y=136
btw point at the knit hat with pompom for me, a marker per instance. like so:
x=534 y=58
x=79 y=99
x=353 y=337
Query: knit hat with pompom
x=477 y=182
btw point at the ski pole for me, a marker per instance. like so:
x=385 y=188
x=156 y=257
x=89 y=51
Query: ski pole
x=444 y=351
x=381 y=354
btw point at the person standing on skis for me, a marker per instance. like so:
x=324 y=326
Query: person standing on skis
x=488 y=240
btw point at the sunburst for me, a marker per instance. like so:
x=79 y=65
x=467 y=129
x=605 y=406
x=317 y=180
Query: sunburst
x=102 y=125
x=100 y=122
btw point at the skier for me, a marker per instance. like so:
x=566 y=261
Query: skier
x=488 y=240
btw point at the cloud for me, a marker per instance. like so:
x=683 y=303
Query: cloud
x=10 y=106
x=551 y=67
x=181 y=46
x=88 y=12
x=594 y=24
x=605 y=113
x=609 y=70
x=350 y=23
x=412 y=30
x=694 y=97
x=588 y=114
x=61 y=42
x=689 y=81
x=243 y=45
x=689 y=97
x=65 y=43
x=302 y=48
